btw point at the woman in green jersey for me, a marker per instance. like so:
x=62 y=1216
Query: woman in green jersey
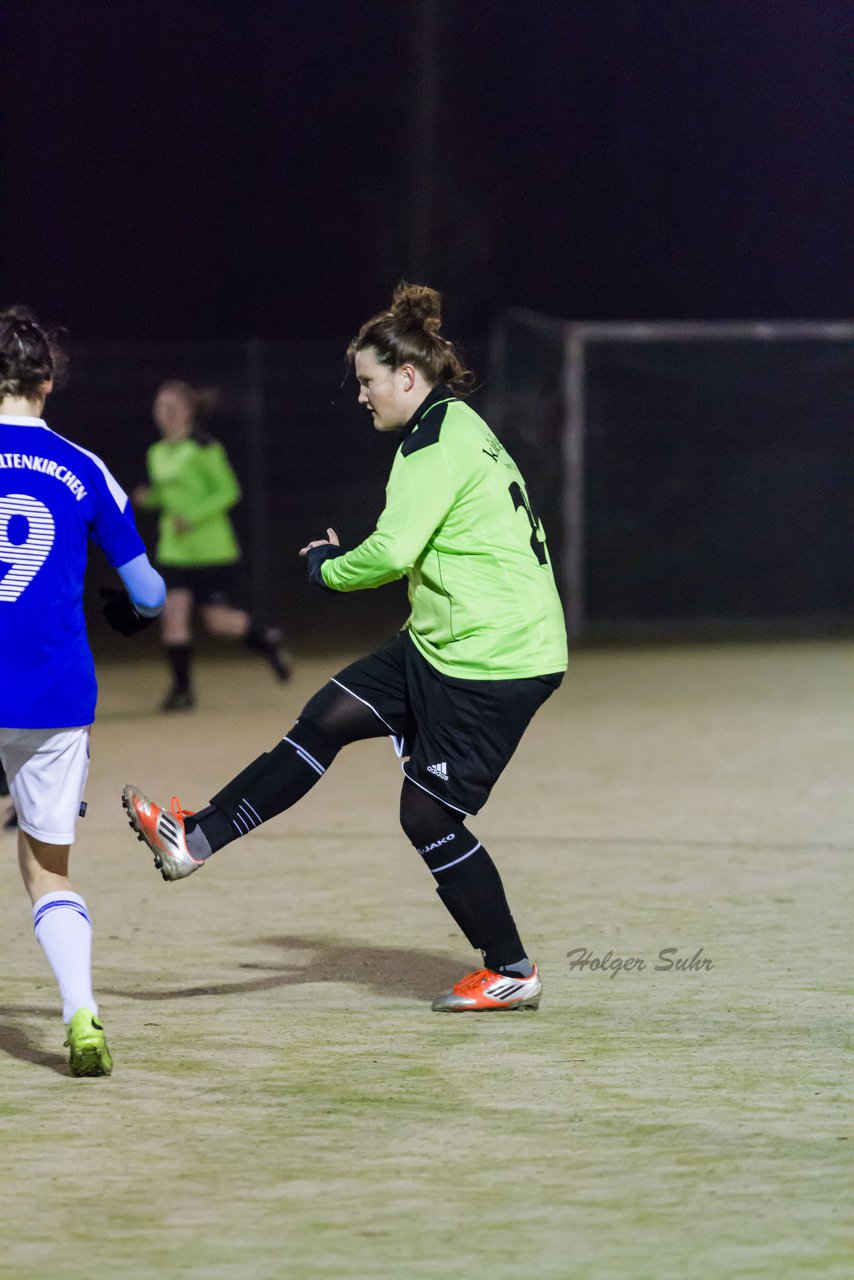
x=193 y=487
x=484 y=646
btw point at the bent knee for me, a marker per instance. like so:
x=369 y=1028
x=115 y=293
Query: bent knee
x=426 y=822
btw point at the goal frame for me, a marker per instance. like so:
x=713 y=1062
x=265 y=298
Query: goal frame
x=577 y=336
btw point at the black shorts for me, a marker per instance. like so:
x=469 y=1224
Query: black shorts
x=458 y=734
x=207 y=583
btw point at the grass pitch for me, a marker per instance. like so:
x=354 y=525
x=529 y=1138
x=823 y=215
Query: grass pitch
x=284 y=1103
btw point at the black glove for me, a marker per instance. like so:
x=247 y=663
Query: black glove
x=120 y=614
x=315 y=557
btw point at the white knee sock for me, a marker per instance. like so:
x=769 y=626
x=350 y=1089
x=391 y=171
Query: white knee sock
x=64 y=930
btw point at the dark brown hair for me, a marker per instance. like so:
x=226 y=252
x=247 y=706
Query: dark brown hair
x=199 y=399
x=409 y=334
x=29 y=355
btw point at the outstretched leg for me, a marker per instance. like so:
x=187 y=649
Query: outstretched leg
x=237 y=624
x=181 y=842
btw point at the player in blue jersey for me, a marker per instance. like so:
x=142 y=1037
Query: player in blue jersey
x=54 y=497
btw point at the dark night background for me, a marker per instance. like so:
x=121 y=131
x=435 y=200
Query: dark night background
x=226 y=191
x=271 y=169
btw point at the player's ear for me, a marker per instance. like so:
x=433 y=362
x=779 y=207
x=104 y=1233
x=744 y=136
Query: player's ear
x=407 y=372
x=46 y=388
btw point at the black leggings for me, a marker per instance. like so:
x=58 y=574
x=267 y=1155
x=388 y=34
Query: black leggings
x=466 y=877
x=332 y=719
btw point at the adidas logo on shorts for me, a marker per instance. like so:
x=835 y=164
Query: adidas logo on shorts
x=440 y=770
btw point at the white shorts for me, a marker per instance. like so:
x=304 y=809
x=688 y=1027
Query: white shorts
x=46 y=770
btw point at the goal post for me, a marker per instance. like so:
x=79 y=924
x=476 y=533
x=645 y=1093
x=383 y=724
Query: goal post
x=696 y=480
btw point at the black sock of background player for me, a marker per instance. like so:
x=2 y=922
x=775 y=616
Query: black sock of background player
x=268 y=786
x=268 y=645
x=178 y=657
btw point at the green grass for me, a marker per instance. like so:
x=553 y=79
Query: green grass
x=284 y=1103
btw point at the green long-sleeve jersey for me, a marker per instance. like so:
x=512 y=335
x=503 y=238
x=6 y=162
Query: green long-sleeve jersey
x=192 y=478
x=458 y=523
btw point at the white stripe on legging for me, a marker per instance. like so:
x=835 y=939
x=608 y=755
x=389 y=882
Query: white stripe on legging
x=303 y=755
x=364 y=704
x=433 y=870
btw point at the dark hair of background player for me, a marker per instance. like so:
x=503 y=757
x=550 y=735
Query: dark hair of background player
x=198 y=401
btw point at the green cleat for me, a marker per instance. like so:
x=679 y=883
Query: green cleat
x=88 y=1044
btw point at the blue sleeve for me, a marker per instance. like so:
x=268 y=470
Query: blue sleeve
x=113 y=526
x=144 y=585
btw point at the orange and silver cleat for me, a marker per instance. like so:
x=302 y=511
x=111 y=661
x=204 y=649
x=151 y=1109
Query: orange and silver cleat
x=485 y=989
x=162 y=832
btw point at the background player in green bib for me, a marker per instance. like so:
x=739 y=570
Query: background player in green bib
x=482 y=649
x=193 y=487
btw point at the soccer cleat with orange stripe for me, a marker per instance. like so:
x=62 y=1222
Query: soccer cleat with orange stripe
x=162 y=832
x=484 y=990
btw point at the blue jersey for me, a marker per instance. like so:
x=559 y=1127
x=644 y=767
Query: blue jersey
x=54 y=496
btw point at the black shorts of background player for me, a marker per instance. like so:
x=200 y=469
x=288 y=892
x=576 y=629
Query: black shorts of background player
x=193 y=487
x=483 y=648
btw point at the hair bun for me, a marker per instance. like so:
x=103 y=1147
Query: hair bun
x=19 y=315
x=30 y=356
x=417 y=304
x=15 y=321
x=207 y=399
